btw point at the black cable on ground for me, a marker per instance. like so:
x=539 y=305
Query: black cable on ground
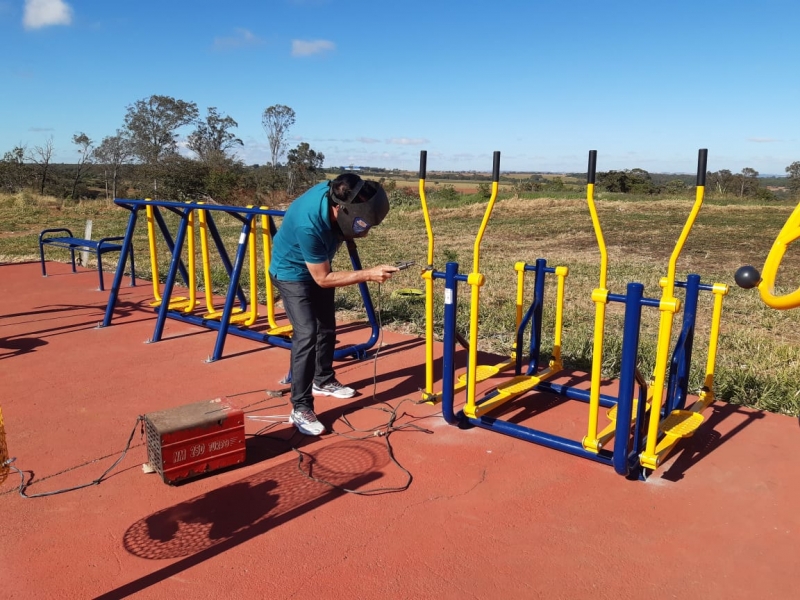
x=383 y=431
x=23 y=485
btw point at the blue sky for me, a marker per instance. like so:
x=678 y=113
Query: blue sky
x=644 y=83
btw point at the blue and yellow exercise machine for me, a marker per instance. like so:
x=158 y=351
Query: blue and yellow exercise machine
x=231 y=319
x=646 y=419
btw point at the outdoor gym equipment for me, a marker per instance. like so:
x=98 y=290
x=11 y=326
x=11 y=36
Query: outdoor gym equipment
x=646 y=420
x=429 y=274
x=748 y=277
x=230 y=320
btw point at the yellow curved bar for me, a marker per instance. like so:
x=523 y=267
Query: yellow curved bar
x=788 y=234
x=668 y=306
x=600 y=299
x=151 y=240
x=207 y=283
x=251 y=315
x=266 y=246
x=189 y=307
x=475 y=280
x=428 y=294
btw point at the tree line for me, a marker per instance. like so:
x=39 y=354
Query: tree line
x=143 y=159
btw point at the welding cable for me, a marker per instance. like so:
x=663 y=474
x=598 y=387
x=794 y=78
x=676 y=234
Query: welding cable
x=23 y=486
x=383 y=431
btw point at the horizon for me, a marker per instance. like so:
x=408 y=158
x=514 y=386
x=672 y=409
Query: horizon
x=541 y=84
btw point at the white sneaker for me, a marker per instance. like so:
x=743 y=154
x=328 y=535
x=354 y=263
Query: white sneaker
x=333 y=388
x=306 y=421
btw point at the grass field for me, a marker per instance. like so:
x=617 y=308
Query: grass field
x=758 y=362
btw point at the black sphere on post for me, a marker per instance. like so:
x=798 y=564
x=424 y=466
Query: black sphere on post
x=747 y=277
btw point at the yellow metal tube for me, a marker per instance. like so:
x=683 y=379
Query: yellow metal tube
x=189 y=307
x=476 y=280
x=789 y=233
x=428 y=276
x=151 y=241
x=206 y=261
x=719 y=290
x=600 y=299
x=668 y=306
x=555 y=363
x=266 y=246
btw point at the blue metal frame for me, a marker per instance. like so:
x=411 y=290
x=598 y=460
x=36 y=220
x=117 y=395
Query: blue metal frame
x=223 y=326
x=627 y=444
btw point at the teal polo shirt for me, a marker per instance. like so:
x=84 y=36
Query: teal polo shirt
x=306 y=235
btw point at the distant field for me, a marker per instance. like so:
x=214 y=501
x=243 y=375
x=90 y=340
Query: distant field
x=759 y=354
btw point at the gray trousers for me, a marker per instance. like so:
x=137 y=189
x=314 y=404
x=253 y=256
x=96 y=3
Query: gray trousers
x=311 y=312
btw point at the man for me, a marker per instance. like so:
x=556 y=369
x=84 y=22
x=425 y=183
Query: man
x=312 y=230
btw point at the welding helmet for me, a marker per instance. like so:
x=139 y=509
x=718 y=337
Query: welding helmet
x=365 y=206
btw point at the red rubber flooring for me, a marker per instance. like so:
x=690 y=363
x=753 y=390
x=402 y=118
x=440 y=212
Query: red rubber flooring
x=486 y=516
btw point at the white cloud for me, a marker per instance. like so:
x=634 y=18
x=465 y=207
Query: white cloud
x=307 y=48
x=758 y=140
x=44 y=13
x=365 y=140
x=408 y=141
x=241 y=37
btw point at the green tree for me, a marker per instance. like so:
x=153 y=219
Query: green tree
x=152 y=125
x=41 y=156
x=748 y=182
x=15 y=174
x=722 y=181
x=112 y=153
x=212 y=139
x=277 y=120
x=86 y=153
x=304 y=166
x=794 y=177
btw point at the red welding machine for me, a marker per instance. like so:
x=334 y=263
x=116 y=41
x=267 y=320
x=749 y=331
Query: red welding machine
x=190 y=440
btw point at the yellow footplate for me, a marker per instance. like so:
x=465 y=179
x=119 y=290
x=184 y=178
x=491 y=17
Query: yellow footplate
x=678 y=425
x=482 y=373
x=217 y=314
x=681 y=423
x=506 y=391
x=283 y=330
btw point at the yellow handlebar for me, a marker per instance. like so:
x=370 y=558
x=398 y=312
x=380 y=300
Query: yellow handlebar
x=787 y=235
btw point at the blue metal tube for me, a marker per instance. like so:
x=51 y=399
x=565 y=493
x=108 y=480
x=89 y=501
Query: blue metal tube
x=574 y=393
x=539 y=437
x=236 y=273
x=680 y=365
x=175 y=263
x=448 y=358
x=627 y=377
x=361 y=349
x=173 y=205
x=127 y=243
x=536 y=323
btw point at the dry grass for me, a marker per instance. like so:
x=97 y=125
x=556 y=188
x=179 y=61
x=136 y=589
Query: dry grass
x=759 y=354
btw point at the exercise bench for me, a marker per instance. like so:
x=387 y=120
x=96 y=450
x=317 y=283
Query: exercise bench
x=71 y=243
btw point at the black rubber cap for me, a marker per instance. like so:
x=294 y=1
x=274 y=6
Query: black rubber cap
x=747 y=277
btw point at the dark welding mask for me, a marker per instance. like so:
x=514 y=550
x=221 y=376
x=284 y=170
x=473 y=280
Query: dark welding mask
x=365 y=207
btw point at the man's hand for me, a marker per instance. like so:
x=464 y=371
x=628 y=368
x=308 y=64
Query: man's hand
x=381 y=273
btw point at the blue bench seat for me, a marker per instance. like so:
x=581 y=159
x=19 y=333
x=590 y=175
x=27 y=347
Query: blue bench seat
x=49 y=237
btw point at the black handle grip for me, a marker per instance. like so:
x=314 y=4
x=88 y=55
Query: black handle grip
x=423 y=161
x=592 y=172
x=496 y=167
x=702 y=163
